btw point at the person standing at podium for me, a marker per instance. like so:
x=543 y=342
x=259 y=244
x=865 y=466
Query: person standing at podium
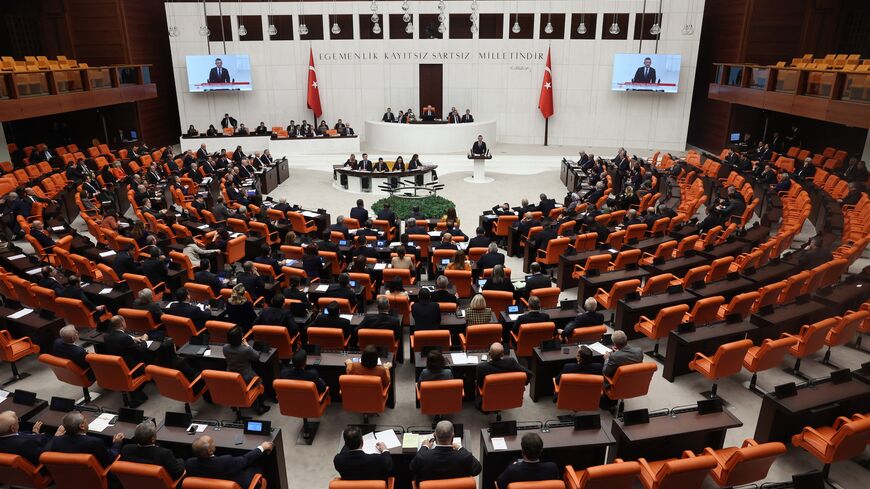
x=389 y=116
x=479 y=147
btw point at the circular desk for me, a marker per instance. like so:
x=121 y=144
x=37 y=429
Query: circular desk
x=424 y=137
x=360 y=181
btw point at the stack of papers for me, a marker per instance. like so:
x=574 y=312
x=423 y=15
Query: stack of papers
x=20 y=314
x=461 y=358
x=387 y=437
x=34 y=271
x=17 y=257
x=3 y=395
x=409 y=440
x=380 y=266
x=599 y=348
x=513 y=317
x=107 y=253
x=203 y=227
x=322 y=288
x=101 y=422
x=456 y=440
x=309 y=214
x=499 y=444
x=199 y=427
x=107 y=290
x=346 y=316
x=57 y=228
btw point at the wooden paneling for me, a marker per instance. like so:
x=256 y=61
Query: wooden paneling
x=25 y=108
x=775 y=31
x=431 y=88
x=491 y=26
x=97 y=31
x=397 y=28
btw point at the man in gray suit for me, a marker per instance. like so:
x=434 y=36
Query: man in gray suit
x=622 y=354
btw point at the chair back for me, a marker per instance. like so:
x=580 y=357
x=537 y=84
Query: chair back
x=184 y=261
x=769 y=355
x=587 y=334
x=549 y=296
x=229 y=389
x=845 y=329
x=75 y=312
x=432 y=337
x=728 y=359
x=74 y=470
x=300 y=399
x=480 y=336
x=585 y=242
x=173 y=384
x=439 y=397
x=461 y=279
x=812 y=337
x=531 y=335
x=768 y=294
x=598 y=262
x=206 y=483
x=748 y=464
x=719 y=268
x=199 y=292
x=66 y=370
x=377 y=337
x=16 y=471
x=617 y=292
x=616 y=475
x=503 y=224
x=327 y=338
x=498 y=300
x=741 y=304
x=550 y=484
x=555 y=249
x=579 y=392
x=351 y=484
x=457 y=483
x=850 y=440
x=138 y=320
x=142 y=476
x=626 y=258
x=277 y=337
x=631 y=380
x=657 y=284
x=685 y=473
x=111 y=372
x=704 y=311
x=403 y=273
x=235 y=249
x=503 y=391
x=696 y=274
x=45 y=298
x=362 y=394
x=179 y=328
x=217 y=330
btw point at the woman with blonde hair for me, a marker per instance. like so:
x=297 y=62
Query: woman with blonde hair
x=477 y=312
x=240 y=310
x=459 y=262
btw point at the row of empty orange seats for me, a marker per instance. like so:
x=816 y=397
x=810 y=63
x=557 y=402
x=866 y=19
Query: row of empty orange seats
x=37 y=63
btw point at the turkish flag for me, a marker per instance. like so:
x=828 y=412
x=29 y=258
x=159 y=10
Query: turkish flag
x=313 y=91
x=545 y=103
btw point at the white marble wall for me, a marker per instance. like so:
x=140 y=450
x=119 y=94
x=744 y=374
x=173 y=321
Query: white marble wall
x=587 y=112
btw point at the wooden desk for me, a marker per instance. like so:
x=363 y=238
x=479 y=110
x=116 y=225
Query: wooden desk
x=733 y=248
x=546 y=365
x=330 y=366
x=467 y=372
x=513 y=241
x=726 y=288
x=629 y=313
x=23 y=411
x=848 y=295
x=819 y=405
x=42 y=331
x=562 y=445
x=113 y=300
x=589 y=285
x=52 y=420
x=789 y=318
x=668 y=436
x=678 y=266
x=649 y=245
x=565 y=269
x=705 y=339
x=267 y=368
x=274 y=464
x=773 y=272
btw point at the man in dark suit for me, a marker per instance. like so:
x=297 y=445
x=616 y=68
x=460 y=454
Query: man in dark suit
x=130 y=348
x=219 y=74
x=146 y=451
x=491 y=258
x=446 y=243
x=28 y=445
x=540 y=240
x=65 y=347
x=380 y=166
x=48 y=280
x=389 y=116
x=253 y=282
x=155 y=266
x=441 y=294
x=38 y=232
x=276 y=315
x=341 y=227
x=301 y=371
x=228 y=121
x=546 y=205
x=529 y=468
x=622 y=354
x=365 y=163
x=343 y=290
x=411 y=227
x=814 y=254
x=240 y=469
x=73 y=290
x=526 y=223
x=536 y=280
x=205 y=277
x=387 y=214
x=467 y=117
x=352 y=463
x=360 y=213
x=75 y=439
x=382 y=319
x=533 y=316
x=479 y=147
x=589 y=317
x=182 y=307
x=481 y=240
x=498 y=363
x=438 y=458
x=330 y=317
x=202 y=153
x=646 y=73
x=426 y=313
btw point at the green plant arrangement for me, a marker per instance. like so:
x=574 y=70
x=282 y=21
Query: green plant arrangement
x=434 y=206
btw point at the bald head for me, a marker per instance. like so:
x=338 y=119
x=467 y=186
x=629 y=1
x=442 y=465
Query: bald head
x=496 y=351
x=69 y=334
x=202 y=447
x=74 y=423
x=8 y=422
x=444 y=432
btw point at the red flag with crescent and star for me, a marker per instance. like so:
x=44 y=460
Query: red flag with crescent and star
x=313 y=91
x=545 y=103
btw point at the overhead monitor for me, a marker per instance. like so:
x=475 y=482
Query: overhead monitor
x=646 y=73
x=219 y=72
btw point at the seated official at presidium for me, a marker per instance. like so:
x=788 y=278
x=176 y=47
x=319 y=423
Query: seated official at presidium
x=399 y=165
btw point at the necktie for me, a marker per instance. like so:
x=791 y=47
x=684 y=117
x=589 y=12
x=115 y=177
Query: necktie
x=645 y=71
x=219 y=72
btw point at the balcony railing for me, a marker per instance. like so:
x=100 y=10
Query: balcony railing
x=25 y=84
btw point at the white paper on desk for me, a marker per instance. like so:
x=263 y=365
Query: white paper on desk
x=499 y=444
x=380 y=266
x=199 y=427
x=101 y=422
x=107 y=290
x=309 y=214
x=3 y=395
x=123 y=224
x=369 y=442
x=322 y=288
x=148 y=343
x=17 y=257
x=235 y=235
x=388 y=438
x=611 y=250
x=58 y=228
x=207 y=353
x=462 y=245
x=206 y=180
x=599 y=348
x=34 y=271
x=107 y=253
x=513 y=317
x=346 y=316
x=472 y=359
x=434 y=233
x=393 y=244
x=203 y=227
x=459 y=358
x=20 y=314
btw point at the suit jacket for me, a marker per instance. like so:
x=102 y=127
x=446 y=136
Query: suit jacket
x=254 y=284
x=389 y=117
x=153 y=455
x=85 y=444
x=222 y=77
x=70 y=351
x=380 y=321
x=546 y=206
x=593 y=368
x=224 y=467
x=588 y=318
x=478 y=148
x=324 y=321
x=626 y=356
x=489 y=260
x=207 y=278
x=387 y=215
x=188 y=310
x=427 y=315
x=479 y=242
x=523 y=471
x=467 y=118
x=123 y=345
x=155 y=269
x=275 y=316
x=442 y=462
x=530 y=317
x=502 y=365
x=307 y=374
x=28 y=445
x=641 y=77
x=537 y=281
x=361 y=214
x=523 y=227
x=443 y=296
x=356 y=465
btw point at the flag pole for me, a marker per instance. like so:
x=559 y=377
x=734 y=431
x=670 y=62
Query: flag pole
x=546 y=130
x=310 y=50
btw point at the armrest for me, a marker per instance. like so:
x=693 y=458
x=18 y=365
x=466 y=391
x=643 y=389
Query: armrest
x=5 y=334
x=601 y=291
x=840 y=421
x=749 y=442
x=644 y=465
x=105 y=472
x=571 y=476
x=701 y=355
x=137 y=367
x=161 y=286
x=253 y=382
x=712 y=453
x=257 y=482
x=323 y=395
x=688 y=454
x=808 y=429
x=542 y=253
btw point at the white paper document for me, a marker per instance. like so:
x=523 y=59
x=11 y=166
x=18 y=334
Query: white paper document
x=599 y=348
x=346 y=316
x=34 y=271
x=388 y=438
x=309 y=214
x=199 y=427
x=3 y=395
x=107 y=253
x=513 y=317
x=57 y=228
x=20 y=314
x=380 y=266
x=16 y=257
x=107 y=290
x=499 y=444
x=101 y=422
x=322 y=288
x=203 y=227
x=459 y=358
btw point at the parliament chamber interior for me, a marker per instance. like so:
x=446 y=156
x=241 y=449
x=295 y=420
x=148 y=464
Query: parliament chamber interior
x=464 y=244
